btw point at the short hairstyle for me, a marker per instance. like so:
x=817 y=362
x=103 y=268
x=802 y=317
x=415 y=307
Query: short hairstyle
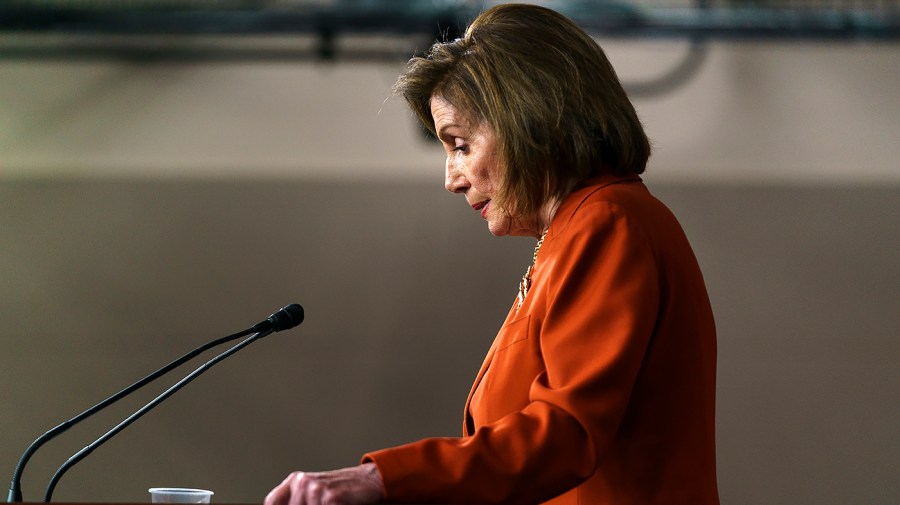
x=548 y=92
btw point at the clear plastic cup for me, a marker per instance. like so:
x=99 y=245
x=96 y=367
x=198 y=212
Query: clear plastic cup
x=179 y=495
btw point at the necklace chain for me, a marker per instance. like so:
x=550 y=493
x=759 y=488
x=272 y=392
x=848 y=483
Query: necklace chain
x=537 y=248
x=525 y=284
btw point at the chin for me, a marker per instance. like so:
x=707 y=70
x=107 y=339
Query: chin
x=498 y=229
x=508 y=228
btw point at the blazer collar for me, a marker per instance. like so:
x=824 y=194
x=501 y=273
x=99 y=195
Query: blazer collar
x=574 y=199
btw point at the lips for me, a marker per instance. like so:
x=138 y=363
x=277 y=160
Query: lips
x=483 y=207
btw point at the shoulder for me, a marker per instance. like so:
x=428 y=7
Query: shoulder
x=610 y=210
x=606 y=198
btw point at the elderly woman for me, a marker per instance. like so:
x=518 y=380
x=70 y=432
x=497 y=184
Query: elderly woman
x=600 y=386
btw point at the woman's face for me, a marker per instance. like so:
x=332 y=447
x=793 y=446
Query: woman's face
x=473 y=166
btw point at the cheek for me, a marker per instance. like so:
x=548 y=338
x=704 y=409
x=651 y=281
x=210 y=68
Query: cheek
x=494 y=170
x=485 y=172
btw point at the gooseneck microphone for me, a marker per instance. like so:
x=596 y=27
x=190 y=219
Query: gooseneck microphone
x=284 y=319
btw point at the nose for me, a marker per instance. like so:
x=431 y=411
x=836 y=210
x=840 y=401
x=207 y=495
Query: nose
x=454 y=180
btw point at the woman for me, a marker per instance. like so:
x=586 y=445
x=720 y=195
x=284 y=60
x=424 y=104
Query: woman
x=600 y=386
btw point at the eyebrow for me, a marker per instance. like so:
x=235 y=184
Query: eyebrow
x=444 y=128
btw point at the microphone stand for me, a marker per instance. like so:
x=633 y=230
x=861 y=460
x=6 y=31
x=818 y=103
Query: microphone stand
x=15 y=491
x=146 y=408
x=286 y=318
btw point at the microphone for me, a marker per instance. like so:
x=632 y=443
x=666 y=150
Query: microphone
x=284 y=319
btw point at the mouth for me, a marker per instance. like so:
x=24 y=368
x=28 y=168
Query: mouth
x=482 y=206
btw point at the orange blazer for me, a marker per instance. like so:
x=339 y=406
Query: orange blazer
x=600 y=387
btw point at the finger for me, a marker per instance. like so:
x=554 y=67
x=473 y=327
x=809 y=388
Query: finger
x=280 y=494
x=313 y=492
x=297 y=484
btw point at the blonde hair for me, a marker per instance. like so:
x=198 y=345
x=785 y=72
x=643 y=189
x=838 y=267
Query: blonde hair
x=547 y=91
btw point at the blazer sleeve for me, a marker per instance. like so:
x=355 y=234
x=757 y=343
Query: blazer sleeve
x=594 y=309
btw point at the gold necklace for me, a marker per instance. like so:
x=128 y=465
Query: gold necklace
x=525 y=284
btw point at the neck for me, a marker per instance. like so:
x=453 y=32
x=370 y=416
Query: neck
x=545 y=217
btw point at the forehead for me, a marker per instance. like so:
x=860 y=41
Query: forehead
x=446 y=115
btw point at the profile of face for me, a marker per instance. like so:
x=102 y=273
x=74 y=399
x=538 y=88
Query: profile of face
x=473 y=166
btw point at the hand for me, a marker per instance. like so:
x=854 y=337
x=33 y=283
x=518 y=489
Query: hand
x=358 y=485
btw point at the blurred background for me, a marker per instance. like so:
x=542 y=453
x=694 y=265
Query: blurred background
x=174 y=171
